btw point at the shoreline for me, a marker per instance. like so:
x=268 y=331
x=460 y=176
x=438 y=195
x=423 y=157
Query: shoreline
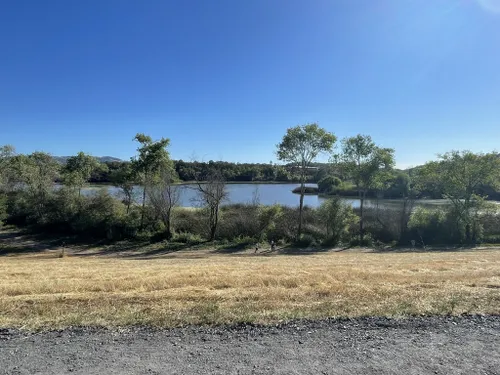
x=353 y=196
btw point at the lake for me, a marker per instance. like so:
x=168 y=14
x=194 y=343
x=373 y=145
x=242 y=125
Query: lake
x=266 y=194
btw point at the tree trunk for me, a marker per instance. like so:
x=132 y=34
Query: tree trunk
x=301 y=207
x=468 y=233
x=168 y=226
x=168 y=231
x=143 y=207
x=361 y=215
x=214 y=220
x=403 y=225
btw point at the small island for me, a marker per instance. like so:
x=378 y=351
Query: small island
x=308 y=190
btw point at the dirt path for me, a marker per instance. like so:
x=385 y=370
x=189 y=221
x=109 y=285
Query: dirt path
x=465 y=345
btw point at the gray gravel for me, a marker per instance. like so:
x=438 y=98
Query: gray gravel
x=430 y=345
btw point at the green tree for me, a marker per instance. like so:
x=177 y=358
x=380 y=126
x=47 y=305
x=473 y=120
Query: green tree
x=367 y=165
x=7 y=177
x=79 y=169
x=329 y=184
x=337 y=217
x=37 y=173
x=151 y=159
x=460 y=177
x=124 y=178
x=300 y=146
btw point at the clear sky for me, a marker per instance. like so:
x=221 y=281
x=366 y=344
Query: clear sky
x=223 y=79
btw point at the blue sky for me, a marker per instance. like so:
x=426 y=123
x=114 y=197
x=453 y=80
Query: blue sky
x=224 y=79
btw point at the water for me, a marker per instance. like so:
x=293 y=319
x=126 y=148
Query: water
x=266 y=194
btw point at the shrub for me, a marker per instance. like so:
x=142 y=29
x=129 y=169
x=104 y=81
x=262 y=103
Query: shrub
x=188 y=220
x=490 y=222
x=187 y=238
x=431 y=226
x=493 y=239
x=239 y=220
x=337 y=217
x=286 y=224
x=367 y=241
x=329 y=184
x=243 y=242
x=384 y=224
x=19 y=210
x=3 y=209
x=63 y=210
x=268 y=218
x=305 y=241
x=102 y=216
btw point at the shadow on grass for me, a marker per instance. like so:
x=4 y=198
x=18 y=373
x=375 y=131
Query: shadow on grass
x=233 y=248
x=13 y=242
x=294 y=250
x=166 y=248
x=434 y=249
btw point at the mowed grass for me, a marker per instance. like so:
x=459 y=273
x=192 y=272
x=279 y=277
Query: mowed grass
x=43 y=291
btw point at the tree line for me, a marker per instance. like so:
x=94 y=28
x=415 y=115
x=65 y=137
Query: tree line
x=358 y=165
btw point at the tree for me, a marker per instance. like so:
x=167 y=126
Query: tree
x=329 y=184
x=124 y=179
x=7 y=177
x=79 y=169
x=336 y=216
x=409 y=187
x=367 y=165
x=212 y=192
x=152 y=157
x=460 y=177
x=164 y=196
x=37 y=173
x=300 y=146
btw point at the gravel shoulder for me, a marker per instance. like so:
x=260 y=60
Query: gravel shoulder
x=428 y=345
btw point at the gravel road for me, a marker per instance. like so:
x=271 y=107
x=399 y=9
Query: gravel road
x=431 y=345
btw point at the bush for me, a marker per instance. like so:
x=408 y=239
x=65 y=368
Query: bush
x=278 y=223
x=187 y=220
x=101 y=215
x=268 y=218
x=63 y=210
x=329 y=184
x=3 y=209
x=240 y=242
x=238 y=220
x=431 y=226
x=384 y=224
x=337 y=217
x=187 y=238
x=367 y=241
x=305 y=241
x=490 y=222
x=19 y=209
x=492 y=239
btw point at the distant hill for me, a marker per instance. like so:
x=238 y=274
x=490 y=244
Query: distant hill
x=102 y=159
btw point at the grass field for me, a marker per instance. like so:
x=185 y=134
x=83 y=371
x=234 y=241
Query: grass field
x=41 y=291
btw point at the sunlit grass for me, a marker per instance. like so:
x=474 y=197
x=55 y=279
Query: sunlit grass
x=45 y=291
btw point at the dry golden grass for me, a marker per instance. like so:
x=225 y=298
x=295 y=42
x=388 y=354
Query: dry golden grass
x=45 y=291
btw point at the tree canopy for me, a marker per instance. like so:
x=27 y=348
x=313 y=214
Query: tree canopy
x=300 y=146
x=366 y=164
